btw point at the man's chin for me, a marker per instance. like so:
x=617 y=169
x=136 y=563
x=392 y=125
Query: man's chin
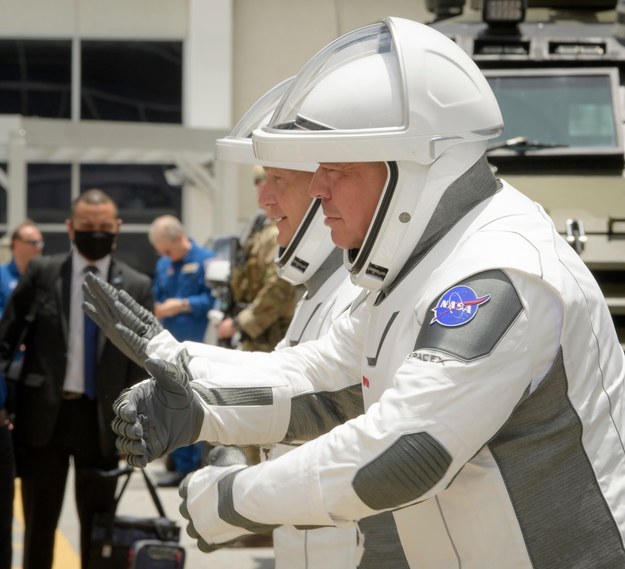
x=339 y=239
x=284 y=237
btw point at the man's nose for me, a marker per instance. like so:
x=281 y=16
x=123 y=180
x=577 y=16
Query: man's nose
x=319 y=187
x=265 y=194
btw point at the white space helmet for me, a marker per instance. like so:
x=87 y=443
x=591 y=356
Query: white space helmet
x=237 y=146
x=398 y=92
x=311 y=243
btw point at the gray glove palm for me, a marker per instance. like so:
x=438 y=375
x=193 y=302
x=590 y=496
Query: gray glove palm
x=124 y=321
x=158 y=415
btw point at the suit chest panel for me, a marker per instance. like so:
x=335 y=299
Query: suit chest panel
x=391 y=334
x=314 y=317
x=310 y=318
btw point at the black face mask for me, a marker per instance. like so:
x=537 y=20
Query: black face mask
x=94 y=245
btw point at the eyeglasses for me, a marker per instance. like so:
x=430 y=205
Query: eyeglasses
x=34 y=242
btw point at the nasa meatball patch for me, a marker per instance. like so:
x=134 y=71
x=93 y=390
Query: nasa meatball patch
x=457 y=306
x=468 y=319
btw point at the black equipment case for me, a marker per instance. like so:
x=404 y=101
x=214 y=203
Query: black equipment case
x=125 y=541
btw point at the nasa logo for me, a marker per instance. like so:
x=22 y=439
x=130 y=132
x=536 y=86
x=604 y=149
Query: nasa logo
x=457 y=306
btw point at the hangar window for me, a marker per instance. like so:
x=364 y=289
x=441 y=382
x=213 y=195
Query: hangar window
x=49 y=192
x=36 y=77
x=137 y=81
x=141 y=191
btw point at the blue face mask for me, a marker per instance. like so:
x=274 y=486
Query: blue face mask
x=94 y=245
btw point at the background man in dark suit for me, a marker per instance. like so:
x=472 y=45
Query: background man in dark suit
x=69 y=379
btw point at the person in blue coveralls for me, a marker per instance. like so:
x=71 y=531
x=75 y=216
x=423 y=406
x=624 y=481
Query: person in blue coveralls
x=26 y=243
x=182 y=300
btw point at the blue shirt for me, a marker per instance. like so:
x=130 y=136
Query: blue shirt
x=9 y=276
x=185 y=279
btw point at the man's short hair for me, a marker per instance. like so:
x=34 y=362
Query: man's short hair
x=165 y=228
x=17 y=232
x=93 y=196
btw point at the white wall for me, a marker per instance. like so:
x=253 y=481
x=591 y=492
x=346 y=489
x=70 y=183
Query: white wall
x=208 y=64
x=128 y=19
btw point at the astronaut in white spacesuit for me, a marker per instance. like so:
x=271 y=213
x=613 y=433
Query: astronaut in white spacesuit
x=492 y=376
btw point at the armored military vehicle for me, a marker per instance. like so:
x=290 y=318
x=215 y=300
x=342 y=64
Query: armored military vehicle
x=557 y=68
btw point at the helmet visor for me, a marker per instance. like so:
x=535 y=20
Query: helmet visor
x=237 y=146
x=354 y=88
x=367 y=61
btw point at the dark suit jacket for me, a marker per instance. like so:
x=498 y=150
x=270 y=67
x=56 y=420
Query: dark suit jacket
x=45 y=286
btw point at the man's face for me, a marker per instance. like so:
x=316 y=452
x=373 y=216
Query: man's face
x=175 y=249
x=90 y=217
x=28 y=244
x=285 y=199
x=349 y=193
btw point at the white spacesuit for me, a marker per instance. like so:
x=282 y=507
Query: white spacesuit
x=492 y=376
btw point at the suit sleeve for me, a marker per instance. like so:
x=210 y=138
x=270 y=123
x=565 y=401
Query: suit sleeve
x=263 y=398
x=14 y=318
x=146 y=297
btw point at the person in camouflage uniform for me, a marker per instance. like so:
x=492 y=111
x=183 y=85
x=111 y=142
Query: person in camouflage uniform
x=268 y=301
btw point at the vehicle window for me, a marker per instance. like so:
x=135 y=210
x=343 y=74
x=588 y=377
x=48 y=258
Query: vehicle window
x=564 y=109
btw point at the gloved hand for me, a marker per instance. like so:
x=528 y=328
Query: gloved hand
x=124 y=321
x=208 y=505
x=158 y=415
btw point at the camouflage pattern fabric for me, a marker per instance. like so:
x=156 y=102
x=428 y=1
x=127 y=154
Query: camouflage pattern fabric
x=269 y=301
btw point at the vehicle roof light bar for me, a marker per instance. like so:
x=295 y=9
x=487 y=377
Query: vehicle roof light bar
x=503 y=12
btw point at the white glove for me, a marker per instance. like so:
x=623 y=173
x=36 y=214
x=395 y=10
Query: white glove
x=124 y=321
x=158 y=415
x=207 y=502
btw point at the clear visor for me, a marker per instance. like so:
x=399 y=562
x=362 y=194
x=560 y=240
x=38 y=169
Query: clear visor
x=259 y=113
x=237 y=146
x=367 y=61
